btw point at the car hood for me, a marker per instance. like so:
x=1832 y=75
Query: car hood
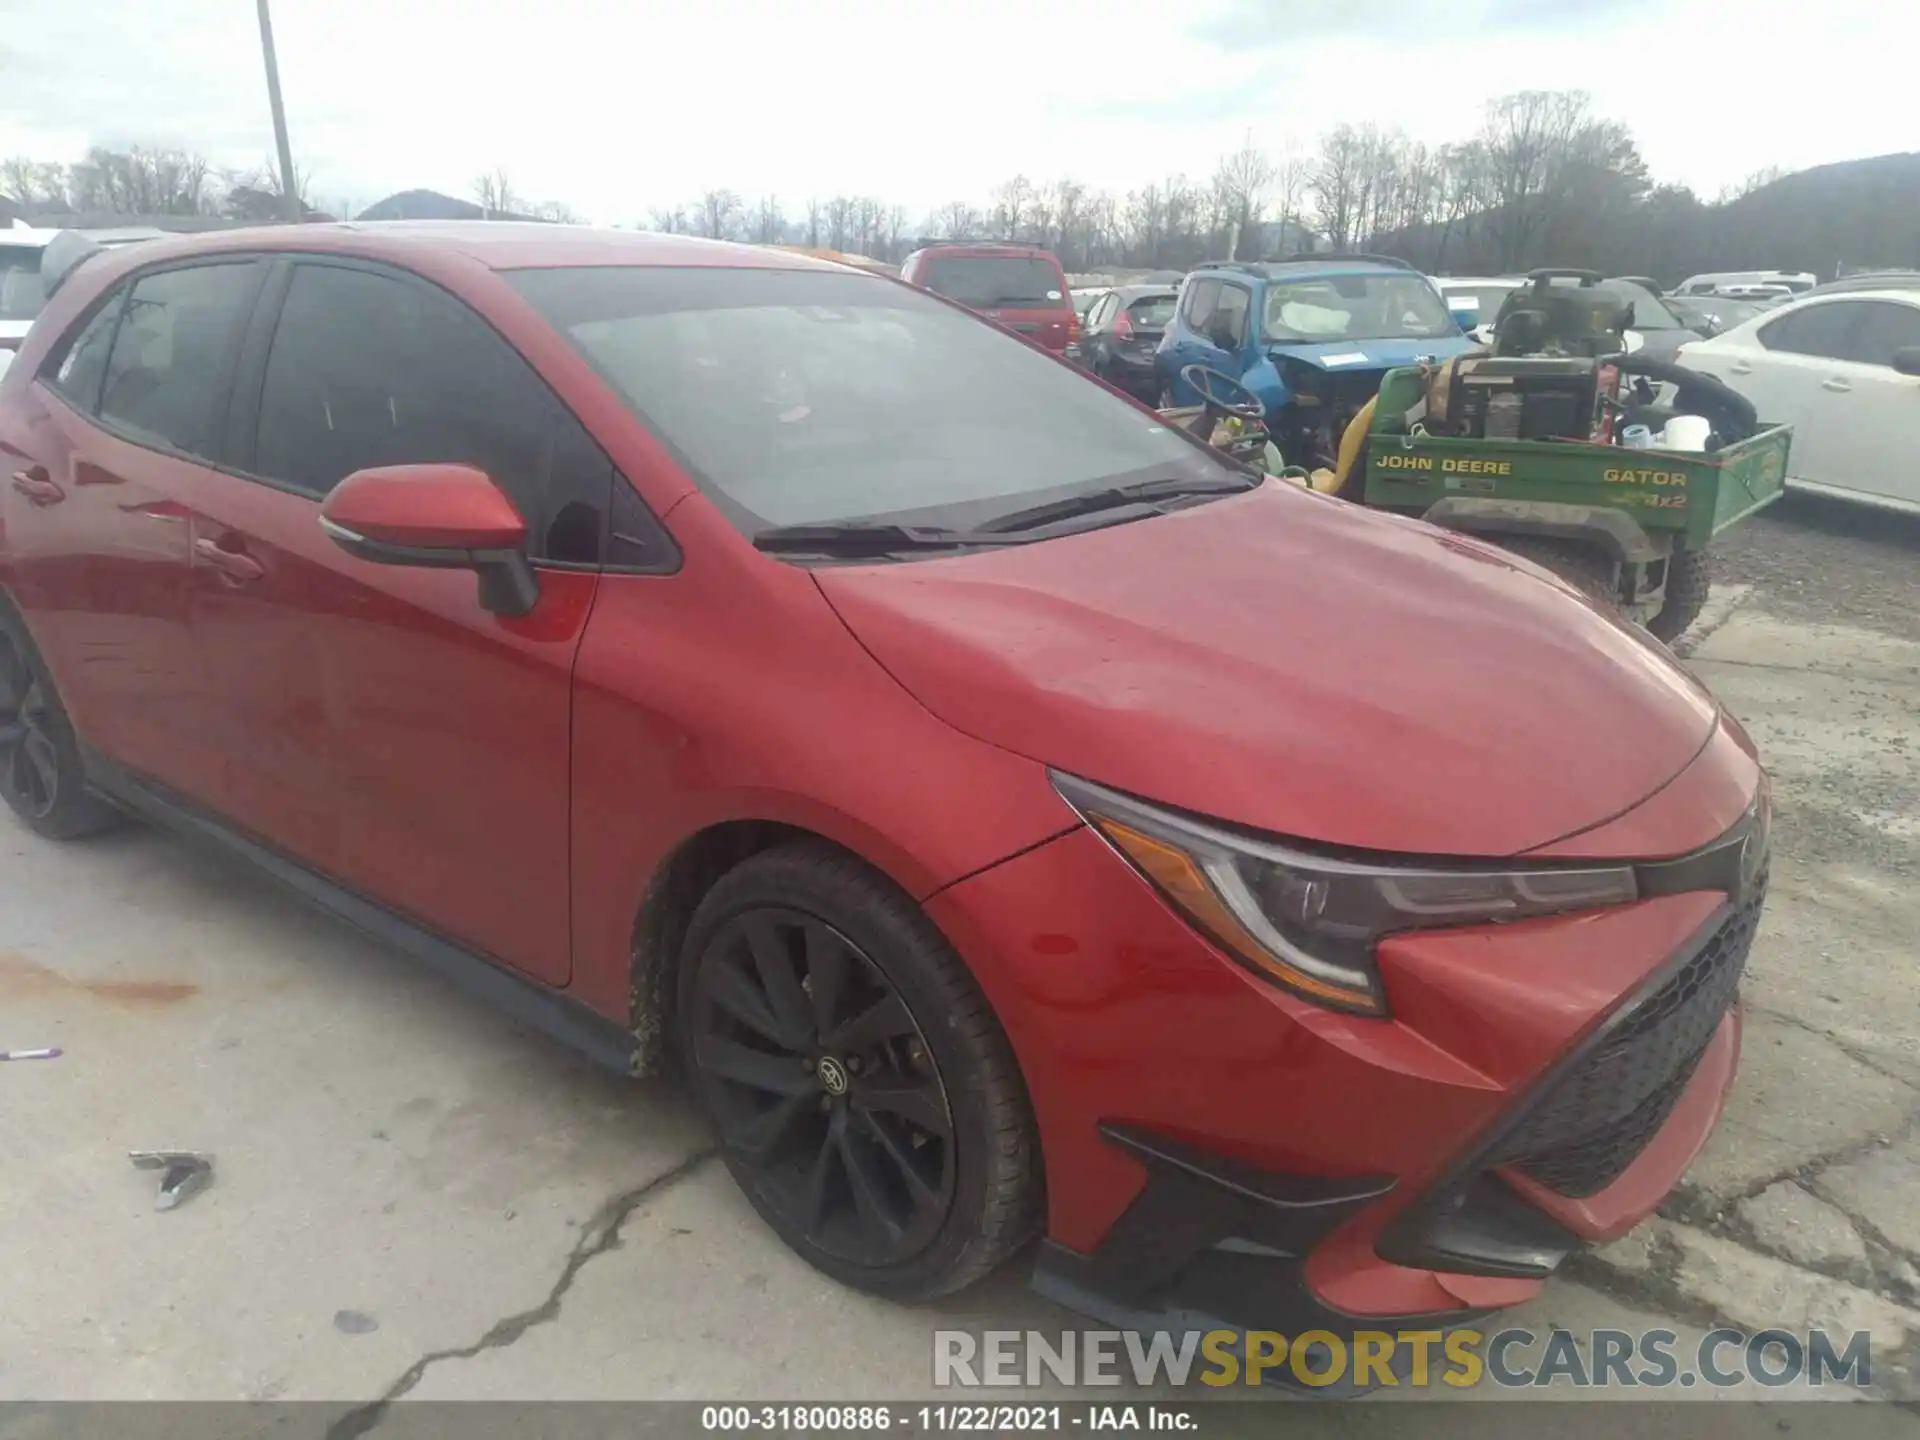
x=1288 y=662
x=1389 y=354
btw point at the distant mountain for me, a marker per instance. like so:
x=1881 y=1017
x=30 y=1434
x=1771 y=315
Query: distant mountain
x=432 y=205
x=1854 y=214
x=1857 y=213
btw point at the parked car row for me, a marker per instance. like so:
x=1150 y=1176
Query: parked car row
x=1022 y=821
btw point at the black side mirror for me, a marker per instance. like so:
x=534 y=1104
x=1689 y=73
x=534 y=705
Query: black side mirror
x=1907 y=360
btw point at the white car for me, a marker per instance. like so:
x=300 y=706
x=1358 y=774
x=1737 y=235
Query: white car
x=20 y=294
x=1844 y=371
x=1475 y=301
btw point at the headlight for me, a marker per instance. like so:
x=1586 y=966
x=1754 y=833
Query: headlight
x=1311 y=922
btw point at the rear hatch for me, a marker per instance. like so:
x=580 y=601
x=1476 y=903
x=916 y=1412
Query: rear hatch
x=1025 y=293
x=1137 y=331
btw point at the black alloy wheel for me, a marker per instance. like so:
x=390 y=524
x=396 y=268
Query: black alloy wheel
x=29 y=759
x=824 y=1090
x=42 y=777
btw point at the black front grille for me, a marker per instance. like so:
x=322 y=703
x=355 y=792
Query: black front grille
x=1594 y=1120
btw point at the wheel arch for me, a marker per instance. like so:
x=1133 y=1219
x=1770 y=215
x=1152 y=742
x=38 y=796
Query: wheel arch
x=682 y=878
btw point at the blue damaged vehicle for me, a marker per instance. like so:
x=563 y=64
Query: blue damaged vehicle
x=1311 y=337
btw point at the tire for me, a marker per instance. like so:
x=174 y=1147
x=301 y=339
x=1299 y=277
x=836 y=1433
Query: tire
x=1689 y=578
x=42 y=777
x=1582 y=566
x=865 y=1097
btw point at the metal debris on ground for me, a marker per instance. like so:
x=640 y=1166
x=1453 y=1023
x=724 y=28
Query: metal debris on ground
x=185 y=1173
x=52 y=1052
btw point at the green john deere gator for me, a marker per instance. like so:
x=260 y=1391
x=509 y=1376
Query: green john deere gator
x=1614 y=470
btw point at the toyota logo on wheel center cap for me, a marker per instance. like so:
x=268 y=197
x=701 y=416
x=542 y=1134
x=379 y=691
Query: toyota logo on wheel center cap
x=833 y=1075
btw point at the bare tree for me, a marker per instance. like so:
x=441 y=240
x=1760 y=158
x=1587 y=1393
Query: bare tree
x=1144 y=223
x=840 y=221
x=1069 y=204
x=869 y=222
x=1526 y=136
x=896 y=234
x=957 y=220
x=668 y=220
x=1012 y=203
x=769 y=225
x=494 y=192
x=557 y=211
x=1335 y=184
x=1290 y=173
x=1240 y=184
x=717 y=212
x=815 y=214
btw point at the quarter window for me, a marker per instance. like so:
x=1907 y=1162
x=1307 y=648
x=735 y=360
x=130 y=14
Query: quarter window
x=169 y=373
x=1887 y=327
x=80 y=366
x=369 y=369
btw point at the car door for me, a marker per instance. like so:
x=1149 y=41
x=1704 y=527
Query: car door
x=1782 y=365
x=126 y=422
x=1874 y=410
x=381 y=725
x=1188 y=342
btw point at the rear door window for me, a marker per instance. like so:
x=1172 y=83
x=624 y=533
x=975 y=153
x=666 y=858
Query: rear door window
x=170 y=371
x=1230 y=315
x=1823 y=331
x=997 y=282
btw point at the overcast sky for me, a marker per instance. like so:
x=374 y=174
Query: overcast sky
x=615 y=106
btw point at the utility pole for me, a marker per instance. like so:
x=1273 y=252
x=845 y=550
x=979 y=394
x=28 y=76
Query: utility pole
x=289 y=195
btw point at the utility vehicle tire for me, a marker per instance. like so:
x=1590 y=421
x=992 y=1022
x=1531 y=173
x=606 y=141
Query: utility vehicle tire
x=42 y=777
x=865 y=1097
x=1584 y=567
x=1689 y=578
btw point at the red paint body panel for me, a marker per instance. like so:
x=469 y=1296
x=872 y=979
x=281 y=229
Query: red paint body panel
x=798 y=726
x=1276 y=660
x=1202 y=660
x=432 y=507
x=1088 y=967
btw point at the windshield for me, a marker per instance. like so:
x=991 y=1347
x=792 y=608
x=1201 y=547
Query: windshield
x=1648 y=311
x=801 y=397
x=1153 y=311
x=20 y=293
x=1355 y=307
x=995 y=282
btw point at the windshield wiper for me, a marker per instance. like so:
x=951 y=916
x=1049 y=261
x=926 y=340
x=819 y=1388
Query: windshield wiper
x=867 y=538
x=1143 y=492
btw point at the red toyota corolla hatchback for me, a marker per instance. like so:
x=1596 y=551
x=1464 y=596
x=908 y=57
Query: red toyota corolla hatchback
x=1022 y=822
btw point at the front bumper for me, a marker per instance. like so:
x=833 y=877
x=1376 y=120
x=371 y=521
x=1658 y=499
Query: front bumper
x=1223 y=1156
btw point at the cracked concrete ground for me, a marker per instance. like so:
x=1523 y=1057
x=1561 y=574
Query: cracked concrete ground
x=415 y=1199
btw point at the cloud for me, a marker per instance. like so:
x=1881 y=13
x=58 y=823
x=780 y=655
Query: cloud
x=1268 y=24
x=616 y=108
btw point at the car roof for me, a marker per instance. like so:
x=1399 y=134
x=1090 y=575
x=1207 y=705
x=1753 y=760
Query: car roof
x=1300 y=269
x=496 y=244
x=1134 y=292
x=1511 y=281
x=985 y=248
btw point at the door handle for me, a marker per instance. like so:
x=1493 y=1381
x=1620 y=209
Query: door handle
x=1836 y=384
x=1740 y=367
x=38 y=486
x=233 y=565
